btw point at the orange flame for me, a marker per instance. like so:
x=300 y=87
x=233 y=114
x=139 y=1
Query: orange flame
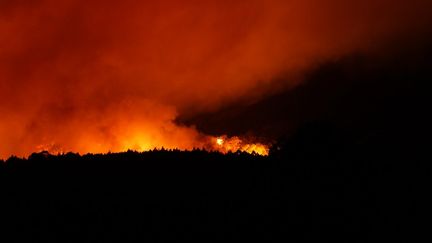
x=225 y=144
x=222 y=144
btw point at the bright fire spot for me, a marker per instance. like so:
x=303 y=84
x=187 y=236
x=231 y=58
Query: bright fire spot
x=225 y=144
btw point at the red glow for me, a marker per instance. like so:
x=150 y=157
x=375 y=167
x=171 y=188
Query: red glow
x=98 y=76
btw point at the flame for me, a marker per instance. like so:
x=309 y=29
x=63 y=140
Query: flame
x=222 y=144
x=225 y=144
x=52 y=148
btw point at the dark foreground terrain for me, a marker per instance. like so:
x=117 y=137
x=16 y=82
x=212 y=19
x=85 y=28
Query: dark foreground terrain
x=319 y=185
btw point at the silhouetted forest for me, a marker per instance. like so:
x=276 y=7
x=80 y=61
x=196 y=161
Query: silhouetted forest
x=319 y=185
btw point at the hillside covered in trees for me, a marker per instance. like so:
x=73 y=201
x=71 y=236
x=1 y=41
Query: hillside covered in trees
x=319 y=185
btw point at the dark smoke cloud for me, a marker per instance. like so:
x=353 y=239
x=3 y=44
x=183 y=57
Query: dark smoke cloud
x=104 y=75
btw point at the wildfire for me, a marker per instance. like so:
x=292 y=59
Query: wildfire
x=50 y=147
x=223 y=144
x=234 y=144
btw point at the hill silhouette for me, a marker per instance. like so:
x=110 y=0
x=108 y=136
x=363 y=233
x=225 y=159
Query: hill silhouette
x=319 y=185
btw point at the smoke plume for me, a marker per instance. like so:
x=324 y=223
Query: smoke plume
x=98 y=76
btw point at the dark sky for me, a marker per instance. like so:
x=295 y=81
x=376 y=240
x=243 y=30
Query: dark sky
x=382 y=92
x=109 y=75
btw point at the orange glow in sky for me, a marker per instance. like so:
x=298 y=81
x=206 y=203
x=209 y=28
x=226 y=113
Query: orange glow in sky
x=99 y=76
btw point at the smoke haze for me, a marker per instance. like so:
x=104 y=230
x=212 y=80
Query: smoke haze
x=108 y=76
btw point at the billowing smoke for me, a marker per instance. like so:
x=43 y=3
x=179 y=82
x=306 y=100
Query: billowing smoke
x=98 y=76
